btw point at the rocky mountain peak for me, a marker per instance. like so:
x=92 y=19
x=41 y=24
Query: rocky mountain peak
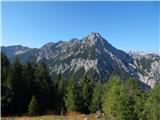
x=94 y=35
x=93 y=38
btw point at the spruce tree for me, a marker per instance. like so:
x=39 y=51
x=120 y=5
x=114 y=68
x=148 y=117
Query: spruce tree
x=6 y=94
x=70 y=96
x=60 y=87
x=111 y=97
x=152 y=105
x=4 y=68
x=15 y=83
x=130 y=99
x=43 y=86
x=29 y=82
x=86 y=86
x=33 y=107
x=96 y=102
x=123 y=100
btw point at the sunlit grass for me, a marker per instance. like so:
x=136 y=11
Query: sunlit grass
x=55 y=117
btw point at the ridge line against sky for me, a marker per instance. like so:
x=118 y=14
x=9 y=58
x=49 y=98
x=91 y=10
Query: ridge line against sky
x=126 y=25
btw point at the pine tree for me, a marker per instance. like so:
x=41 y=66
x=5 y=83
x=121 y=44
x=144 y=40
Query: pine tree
x=152 y=105
x=60 y=87
x=15 y=83
x=29 y=82
x=139 y=106
x=123 y=100
x=96 y=102
x=127 y=100
x=70 y=96
x=29 y=76
x=4 y=67
x=6 y=93
x=41 y=73
x=86 y=86
x=134 y=96
x=111 y=97
x=33 y=107
x=43 y=86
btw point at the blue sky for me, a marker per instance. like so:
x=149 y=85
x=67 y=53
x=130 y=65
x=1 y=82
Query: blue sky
x=126 y=25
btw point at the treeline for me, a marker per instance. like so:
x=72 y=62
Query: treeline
x=27 y=89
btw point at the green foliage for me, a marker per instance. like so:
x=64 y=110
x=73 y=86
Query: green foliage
x=29 y=71
x=41 y=73
x=5 y=90
x=43 y=86
x=96 y=102
x=110 y=104
x=70 y=96
x=85 y=90
x=60 y=86
x=92 y=73
x=119 y=99
x=152 y=105
x=20 y=82
x=15 y=83
x=127 y=100
x=29 y=78
x=139 y=106
x=33 y=107
x=4 y=67
x=123 y=101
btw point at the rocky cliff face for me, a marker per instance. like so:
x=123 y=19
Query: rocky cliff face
x=93 y=56
x=148 y=67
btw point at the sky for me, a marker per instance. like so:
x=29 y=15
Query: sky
x=126 y=25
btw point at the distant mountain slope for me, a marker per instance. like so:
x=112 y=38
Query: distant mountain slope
x=92 y=56
x=148 y=67
x=11 y=51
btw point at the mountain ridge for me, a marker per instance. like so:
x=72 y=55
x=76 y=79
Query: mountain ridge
x=92 y=55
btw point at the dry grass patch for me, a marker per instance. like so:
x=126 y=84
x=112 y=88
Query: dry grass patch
x=55 y=117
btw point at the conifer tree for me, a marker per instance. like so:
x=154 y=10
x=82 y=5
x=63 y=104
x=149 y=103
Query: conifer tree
x=43 y=86
x=86 y=86
x=29 y=82
x=15 y=83
x=96 y=102
x=33 y=107
x=152 y=105
x=6 y=94
x=111 y=97
x=123 y=100
x=129 y=97
x=70 y=96
x=60 y=86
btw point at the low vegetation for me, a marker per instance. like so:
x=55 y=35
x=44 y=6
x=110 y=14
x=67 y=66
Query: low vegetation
x=28 y=90
x=56 y=117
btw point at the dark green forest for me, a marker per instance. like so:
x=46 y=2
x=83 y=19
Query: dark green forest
x=28 y=89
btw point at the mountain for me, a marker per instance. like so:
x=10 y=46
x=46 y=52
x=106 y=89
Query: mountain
x=93 y=56
x=11 y=51
x=148 y=67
